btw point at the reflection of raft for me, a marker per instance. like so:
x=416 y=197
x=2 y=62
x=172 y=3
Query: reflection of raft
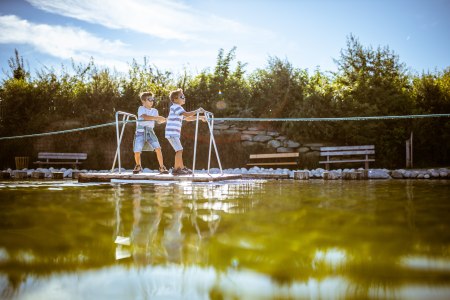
x=149 y=177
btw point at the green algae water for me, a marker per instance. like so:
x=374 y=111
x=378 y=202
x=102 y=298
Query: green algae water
x=285 y=239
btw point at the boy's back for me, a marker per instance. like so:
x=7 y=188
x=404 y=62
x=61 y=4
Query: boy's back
x=174 y=121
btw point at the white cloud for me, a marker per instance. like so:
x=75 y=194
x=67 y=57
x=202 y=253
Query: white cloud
x=63 y=42
x=166 y=19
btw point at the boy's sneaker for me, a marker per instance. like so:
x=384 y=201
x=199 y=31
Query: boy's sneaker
x=189 y=171
x=179 y=171
x=163 y=170
x=137 y=169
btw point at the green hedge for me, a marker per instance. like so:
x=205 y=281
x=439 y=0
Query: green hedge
x=369 y=82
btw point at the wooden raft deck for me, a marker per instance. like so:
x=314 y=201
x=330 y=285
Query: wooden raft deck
x=108 y=177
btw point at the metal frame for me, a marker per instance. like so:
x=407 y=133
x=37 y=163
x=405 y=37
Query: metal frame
x=209 y=119
x=125 y=120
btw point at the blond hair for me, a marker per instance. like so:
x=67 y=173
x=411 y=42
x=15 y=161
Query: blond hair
x=174 y=94
x=145 y=95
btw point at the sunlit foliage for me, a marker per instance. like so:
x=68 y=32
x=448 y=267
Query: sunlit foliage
x=368 y=82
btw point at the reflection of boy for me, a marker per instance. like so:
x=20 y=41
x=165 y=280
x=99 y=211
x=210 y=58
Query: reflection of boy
x=146 y=218
x=173 y=128
x=173 y=238
x=147 y=115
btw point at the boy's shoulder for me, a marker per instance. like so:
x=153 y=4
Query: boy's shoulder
x=145 y=110
x=176 y=106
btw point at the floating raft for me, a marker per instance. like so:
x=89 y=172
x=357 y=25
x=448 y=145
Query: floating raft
x=149 y=177
x=142 y=177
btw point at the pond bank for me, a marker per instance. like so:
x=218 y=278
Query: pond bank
x=436 y=173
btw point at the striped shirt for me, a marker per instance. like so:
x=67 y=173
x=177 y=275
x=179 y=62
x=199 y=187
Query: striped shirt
x=174 y=120
x=151 y=112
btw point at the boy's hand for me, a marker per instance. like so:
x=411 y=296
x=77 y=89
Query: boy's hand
x=200 y=110
x=161 y=120
x=203 y=118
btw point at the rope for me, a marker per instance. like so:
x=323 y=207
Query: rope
x=56 y=132
x=332 y=119
x=247 y=120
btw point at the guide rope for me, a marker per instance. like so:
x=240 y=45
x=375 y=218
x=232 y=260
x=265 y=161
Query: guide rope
x=368 y=118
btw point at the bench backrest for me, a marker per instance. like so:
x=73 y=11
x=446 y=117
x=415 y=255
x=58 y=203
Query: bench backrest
x=274 y=155
x=347 y=150
x=51 y=155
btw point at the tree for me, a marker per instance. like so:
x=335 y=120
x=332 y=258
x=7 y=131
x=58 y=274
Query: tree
x=225 y=91
x=369 y=83
x=17 y=66
x=431 y=93
x=277 y=89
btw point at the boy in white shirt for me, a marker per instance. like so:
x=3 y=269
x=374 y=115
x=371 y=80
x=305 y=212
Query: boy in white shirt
x=173 y=128
x=147 y=115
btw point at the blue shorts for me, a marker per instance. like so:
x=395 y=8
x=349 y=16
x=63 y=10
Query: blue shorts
x=175 y=142
x=145 y=141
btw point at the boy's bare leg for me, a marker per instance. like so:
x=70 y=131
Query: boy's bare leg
x=159 y=157
x=179 y=160
x=137 y=158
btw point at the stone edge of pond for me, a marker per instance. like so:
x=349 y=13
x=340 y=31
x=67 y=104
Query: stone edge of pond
x=435 y=173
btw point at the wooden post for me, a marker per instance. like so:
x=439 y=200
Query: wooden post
x=5 y=175
x=411 y=147
x=365 y=174
x=38 y=175
x=75 y=174
x=326 y=175
x=301 y=175
x=57 y=175
x=356 y=175
x=351 y=175
x=409 y=151
x=20 y=174
x=408 y=159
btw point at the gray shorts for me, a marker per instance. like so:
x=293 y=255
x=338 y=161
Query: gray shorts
x=175 y=142
x=145 y=141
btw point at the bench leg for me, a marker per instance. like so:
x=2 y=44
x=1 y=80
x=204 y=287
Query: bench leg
x=367 y=165
x=327 y=166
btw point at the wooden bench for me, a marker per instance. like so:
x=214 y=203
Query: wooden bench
x=63 y=158
x=347 y=154
x=274 y=159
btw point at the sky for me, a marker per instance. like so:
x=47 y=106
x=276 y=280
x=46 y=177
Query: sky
x=179 y=34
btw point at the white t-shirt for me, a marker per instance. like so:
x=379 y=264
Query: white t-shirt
x=152 y=112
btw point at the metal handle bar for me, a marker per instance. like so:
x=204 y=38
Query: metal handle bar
x=210 y=121
x=126 y=117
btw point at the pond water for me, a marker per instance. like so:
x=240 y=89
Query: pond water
x=250 y=239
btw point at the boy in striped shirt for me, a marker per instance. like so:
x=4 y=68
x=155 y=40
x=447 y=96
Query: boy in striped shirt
x=173 y=128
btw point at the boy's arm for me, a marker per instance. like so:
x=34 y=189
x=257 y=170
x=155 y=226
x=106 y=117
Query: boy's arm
x=188 y=114
x=159 y=119
x=194 y=118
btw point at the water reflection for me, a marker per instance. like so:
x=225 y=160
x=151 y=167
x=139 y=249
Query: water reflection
x=248 y=240
x=169 y=223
